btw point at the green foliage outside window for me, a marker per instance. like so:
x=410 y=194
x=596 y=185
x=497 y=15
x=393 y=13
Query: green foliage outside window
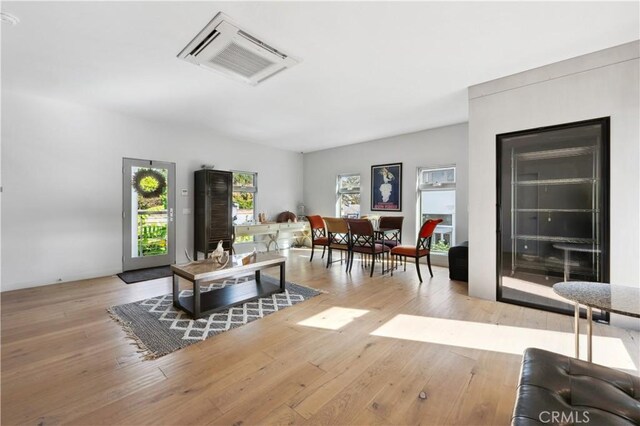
x=440 y=245
x=243 y=179
x=244 y=200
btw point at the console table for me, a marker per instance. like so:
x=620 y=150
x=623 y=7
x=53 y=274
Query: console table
x=618 y=299
x=273 y=230
x=199 y=272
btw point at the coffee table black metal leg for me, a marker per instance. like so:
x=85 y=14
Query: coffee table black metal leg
x=176 y=291
x=196 y=299
x=258 y=277
x=282 y=277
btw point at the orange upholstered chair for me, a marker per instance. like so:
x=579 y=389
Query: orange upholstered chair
x=421 y=249
x=318 y=234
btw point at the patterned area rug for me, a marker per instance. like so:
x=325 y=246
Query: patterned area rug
x=158 y=328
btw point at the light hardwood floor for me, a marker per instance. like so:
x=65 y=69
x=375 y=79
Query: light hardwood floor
x=64 y=361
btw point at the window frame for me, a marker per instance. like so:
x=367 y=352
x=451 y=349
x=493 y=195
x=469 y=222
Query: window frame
x=340 y=191
x=437 y=187
x=250 y=190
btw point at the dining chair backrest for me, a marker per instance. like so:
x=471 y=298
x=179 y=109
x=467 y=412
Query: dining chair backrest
x=361 y=232
x=317 y=226
x=338 y=230
x=360 y=226
x=336 y=225
x=425 y=234
x=392 y=222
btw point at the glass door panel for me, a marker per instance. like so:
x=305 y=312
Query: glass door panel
x=552 y=211
x=148 y=214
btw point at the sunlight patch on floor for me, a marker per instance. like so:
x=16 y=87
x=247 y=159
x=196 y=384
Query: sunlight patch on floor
x=609 y=351
x=333 y=318
x=533 y=288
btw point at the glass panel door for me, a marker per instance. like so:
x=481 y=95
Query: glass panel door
x=148 y=215
x=552 y=211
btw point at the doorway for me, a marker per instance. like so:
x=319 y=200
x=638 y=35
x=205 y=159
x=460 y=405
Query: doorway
x=148 y=222
x=553 y=210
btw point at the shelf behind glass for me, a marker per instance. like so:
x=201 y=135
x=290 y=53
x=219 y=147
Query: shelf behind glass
x=555 y=239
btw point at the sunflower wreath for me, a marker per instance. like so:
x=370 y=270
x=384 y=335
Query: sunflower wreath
x=145 y=188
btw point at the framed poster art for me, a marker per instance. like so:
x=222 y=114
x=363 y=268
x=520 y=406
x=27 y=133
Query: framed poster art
x=386 y=187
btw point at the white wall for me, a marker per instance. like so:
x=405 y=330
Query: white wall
x=62 y=178
x=441 y=146
x=600 y=84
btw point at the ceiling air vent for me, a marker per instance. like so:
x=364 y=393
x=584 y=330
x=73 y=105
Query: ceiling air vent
x=223 y=47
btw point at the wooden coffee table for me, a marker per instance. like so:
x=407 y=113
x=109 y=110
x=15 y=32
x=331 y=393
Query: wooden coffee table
x=199 y=272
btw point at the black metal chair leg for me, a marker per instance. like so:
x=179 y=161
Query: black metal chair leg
x=323 y=250
x=418 y=268
x=313 y=247
x=388 y=260
x=429 y=263
x=329 y=257
x=373 y=264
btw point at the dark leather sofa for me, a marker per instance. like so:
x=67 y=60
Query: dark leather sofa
x=558 y=390
x=459 y=262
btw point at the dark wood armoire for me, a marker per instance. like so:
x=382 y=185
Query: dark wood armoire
x=213 y=215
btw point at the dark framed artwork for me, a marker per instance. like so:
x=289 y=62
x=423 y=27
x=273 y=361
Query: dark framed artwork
x=386 y=187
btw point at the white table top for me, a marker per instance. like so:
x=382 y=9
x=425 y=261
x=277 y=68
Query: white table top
x=210 y=270
x=618 y=299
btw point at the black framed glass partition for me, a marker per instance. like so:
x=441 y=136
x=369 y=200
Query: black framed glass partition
x=552 y=212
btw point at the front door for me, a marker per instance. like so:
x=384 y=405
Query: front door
x=148 y=227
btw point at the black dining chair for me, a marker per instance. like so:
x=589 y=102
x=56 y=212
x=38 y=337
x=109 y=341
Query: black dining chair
x=338 y=238
x=362 y=240
x=391 y=222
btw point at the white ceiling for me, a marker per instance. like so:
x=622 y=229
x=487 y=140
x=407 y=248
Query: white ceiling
x=368 y=70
